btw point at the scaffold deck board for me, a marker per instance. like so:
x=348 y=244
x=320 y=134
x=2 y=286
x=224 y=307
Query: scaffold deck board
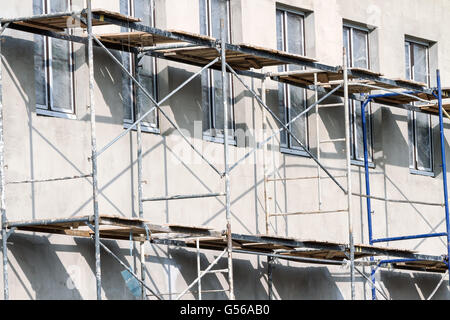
x=134 y=39
x=434 y=108
x=237 y=60
x=61 y=23
x=121 y=228
x=425 y=266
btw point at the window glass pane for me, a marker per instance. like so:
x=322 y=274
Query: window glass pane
x=127 y=88
x=419 y=125
x=61 y=75
x=218 y=12
x=356 y=42
x=347 y=45
x=61 y=82
x=407 y=60
x=58 y=6
x=290 y=38
x=127 y=84
x=411 y=140
x=143 y=10
x=296 y=106
x=295 y=33
x=147 y=80
x=40 y=70
x=360 y=54
x=420 y=63
x=359 y=132
x=218 y=102
x=423 y=141
x=282 y=112
x=203 y=17
x=40 y=61
x=280 y=28
x=211 y=14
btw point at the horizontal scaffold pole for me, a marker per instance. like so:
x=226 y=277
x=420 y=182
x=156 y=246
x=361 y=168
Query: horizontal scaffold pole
x=187 y=196
x=51 y=180
x=418 y=236
x=436 y=204
x=305 y=213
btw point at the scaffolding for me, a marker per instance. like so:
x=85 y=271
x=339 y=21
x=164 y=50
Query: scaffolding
x=237 y=60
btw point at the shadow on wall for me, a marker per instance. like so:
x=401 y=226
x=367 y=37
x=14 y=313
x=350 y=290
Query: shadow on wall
x=414 y=285
x=48 y=277
x=248 y=287
x=113 y=285
x=311 y=283
x=51 y=279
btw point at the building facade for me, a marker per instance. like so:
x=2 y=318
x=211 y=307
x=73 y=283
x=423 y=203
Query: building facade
x=47 y=135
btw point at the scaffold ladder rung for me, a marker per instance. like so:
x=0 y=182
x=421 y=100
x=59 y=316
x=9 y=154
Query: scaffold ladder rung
x=331 y=105
x=332 y=141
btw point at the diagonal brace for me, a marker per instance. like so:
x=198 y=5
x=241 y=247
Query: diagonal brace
x=156 y=104
x=124 y=265
x=202 y=274
x=285 y=126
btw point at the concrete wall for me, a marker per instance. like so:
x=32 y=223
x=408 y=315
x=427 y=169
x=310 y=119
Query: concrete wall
x=37 y=147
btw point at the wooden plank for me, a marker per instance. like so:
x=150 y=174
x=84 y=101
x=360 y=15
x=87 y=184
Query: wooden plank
x=366 y=71
x=410 y=82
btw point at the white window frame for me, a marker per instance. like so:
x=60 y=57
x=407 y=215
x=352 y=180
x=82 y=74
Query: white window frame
x=413 y=144
x=289 y=148
x=49 y=109
x=145 y=125
x=352 y=104
x=210 y=133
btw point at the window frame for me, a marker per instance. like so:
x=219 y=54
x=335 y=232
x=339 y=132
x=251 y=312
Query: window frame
x=412 y=114
x=49 y=109
x=352 y=103
x=289 y=148
x=145 y=125
x=211 y=132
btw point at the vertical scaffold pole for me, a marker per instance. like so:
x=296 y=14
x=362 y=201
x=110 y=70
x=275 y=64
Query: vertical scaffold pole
x=444 y=164
x=2 y=186
x=137 y=68
x=368 y=199
x=319 y=171
x=349 y=178
x=227 y=169
x=270 y=261
x=94 y=151
x=264 y=126
x=199 y=270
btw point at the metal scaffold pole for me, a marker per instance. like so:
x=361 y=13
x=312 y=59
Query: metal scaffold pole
x=367 y=181
x=319 y=171
x=349 y=178
x=2 y=184
x=226 y=155
x=264 y=126
x=444 y=165
x=94 y=151
x=137 y=66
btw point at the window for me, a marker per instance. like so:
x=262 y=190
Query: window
x=291 y=99
x=53 y=67
x=419 y=124
x=143 y=9
x=211 y=12
x=356 y=42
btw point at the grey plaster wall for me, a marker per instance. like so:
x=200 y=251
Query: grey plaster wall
x=55 y=267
